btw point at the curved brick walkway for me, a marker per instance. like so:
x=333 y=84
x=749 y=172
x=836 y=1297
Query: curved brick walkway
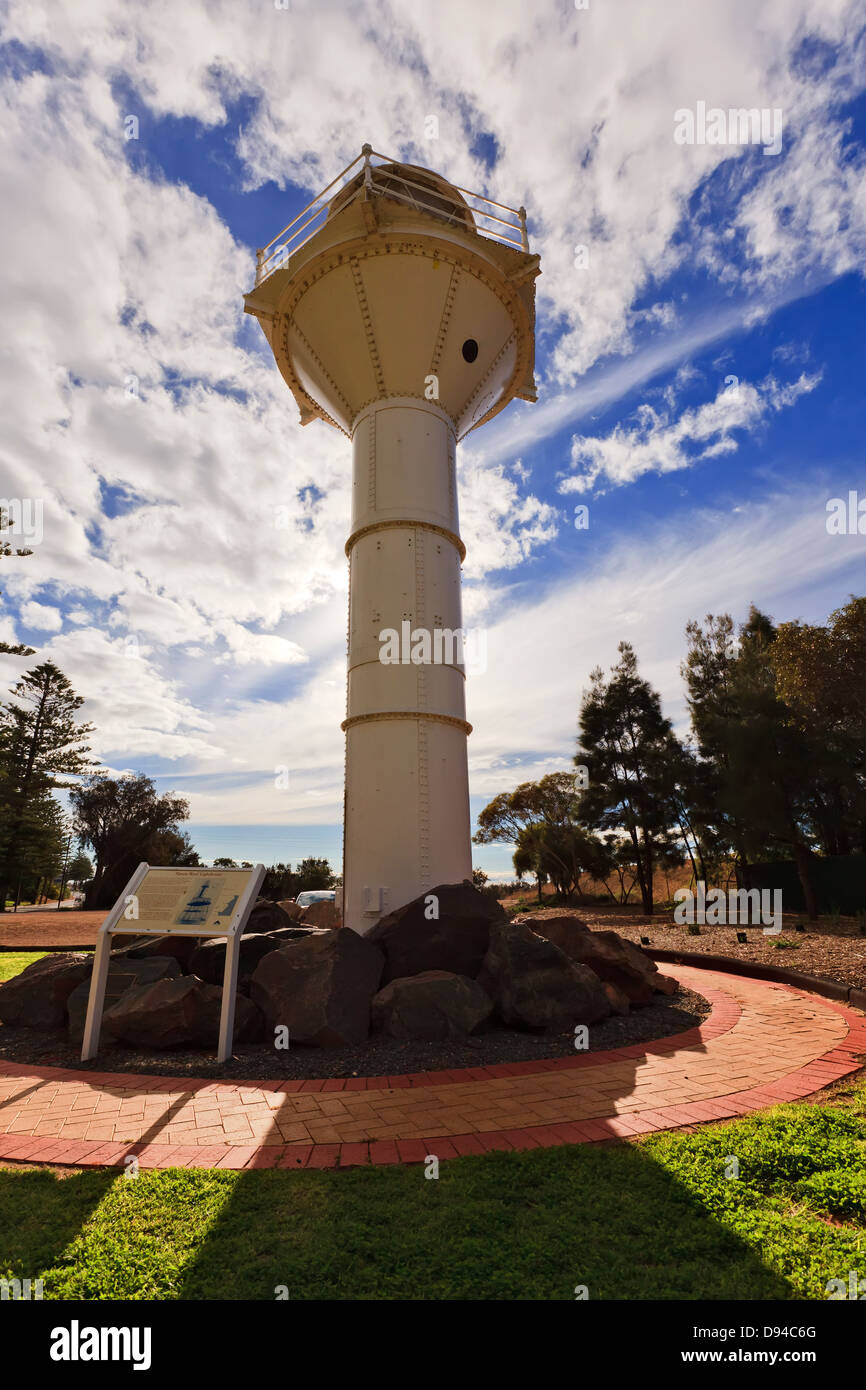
x=763 y=1043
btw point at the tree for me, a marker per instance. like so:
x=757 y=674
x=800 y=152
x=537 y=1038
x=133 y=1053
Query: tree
x=41 y=840
x=278 y=883
x=618 y=862
x=223 y=863
x=541 y=819
x=79 y=869
x=709 y=671
x=772 y=760
x=625 y=742
x=172 y=847
x=314 y=874
x=527 y=857
x=281 y=881
x=40 y=744
x=820 y=675
x=126 y=822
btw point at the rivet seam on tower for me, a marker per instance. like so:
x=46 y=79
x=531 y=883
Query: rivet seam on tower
x=394 y=522
x=446 y=317
x=509 y=342
x=368 y=324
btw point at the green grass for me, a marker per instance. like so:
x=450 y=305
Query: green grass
x=656 y=1219
x=13 y=962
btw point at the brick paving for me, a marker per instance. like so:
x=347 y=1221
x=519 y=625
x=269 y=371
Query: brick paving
x=761 y=1045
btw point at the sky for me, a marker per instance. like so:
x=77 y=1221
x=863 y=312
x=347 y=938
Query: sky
x=700 y=363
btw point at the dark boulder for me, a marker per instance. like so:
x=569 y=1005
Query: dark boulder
x=324 y=914
x=665 y=984
x=611 y=956
x=267 y=916
x=455 y=940
x=534 y=985
x=208 y=961
x=616 y=997
x=143 y=947
x=123 y=974
x=182 y=1012
x=37 y=998
x=320 y=988
x=290 y=907
x=434 y=1004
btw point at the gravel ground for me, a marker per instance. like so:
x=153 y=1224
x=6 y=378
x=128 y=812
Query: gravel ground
x=832 y=950
x=380 y=1057
x=68 y=927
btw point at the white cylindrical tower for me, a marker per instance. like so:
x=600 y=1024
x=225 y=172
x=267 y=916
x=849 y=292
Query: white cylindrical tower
x=401 y=323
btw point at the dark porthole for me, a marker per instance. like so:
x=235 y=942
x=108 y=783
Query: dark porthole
x=470 y=350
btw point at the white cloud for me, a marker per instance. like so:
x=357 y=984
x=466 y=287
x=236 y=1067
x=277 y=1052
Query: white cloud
x=41 y=616
x=658 y=444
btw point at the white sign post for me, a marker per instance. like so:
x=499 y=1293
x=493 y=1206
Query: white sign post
x=177 y=902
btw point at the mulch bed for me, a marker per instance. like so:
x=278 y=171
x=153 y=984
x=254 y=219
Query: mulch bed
x=378 y=1057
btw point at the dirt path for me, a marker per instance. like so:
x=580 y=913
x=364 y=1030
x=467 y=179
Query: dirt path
x=49 y=928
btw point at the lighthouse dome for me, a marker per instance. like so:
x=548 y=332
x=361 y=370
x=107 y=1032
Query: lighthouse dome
x=413 y=186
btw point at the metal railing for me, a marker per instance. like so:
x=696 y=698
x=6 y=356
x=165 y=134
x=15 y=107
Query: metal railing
x=387 y=179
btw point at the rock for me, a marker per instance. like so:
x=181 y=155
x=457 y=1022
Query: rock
x=435 y=1004
x=559 y=927
x=182 y=1012
x=267 y=916
x=143 y=947
x=123 y=974
x=208 y=961
x=37 y=997
x=320 y=988
x=534 y=985
x=609 y=955
x=321 y=915
x=456 y=941
x=616 y=997
x=290 y=907
x=665 y=984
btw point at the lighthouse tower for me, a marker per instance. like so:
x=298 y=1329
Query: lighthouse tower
x=400 y=310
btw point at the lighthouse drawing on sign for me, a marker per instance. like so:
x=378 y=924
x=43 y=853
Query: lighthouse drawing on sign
x=400 y=310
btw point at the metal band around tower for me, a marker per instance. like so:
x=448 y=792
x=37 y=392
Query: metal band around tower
x=415 y=525
x=451 y=719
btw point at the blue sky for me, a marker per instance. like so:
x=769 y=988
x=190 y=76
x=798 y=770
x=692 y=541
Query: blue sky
x=700 y=380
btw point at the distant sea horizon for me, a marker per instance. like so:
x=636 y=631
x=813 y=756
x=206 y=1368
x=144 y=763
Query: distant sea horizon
x=289 y=844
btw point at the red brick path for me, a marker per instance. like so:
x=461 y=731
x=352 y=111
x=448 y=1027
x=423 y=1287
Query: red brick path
x=762 y=1044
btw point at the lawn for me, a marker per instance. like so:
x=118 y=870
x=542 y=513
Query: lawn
x=13 y=962
x=658 y=1219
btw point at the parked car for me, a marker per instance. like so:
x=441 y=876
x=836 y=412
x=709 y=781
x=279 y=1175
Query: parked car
x=318 y=895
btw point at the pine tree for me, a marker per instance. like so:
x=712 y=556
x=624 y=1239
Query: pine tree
x=625 y=741
x=40 y=744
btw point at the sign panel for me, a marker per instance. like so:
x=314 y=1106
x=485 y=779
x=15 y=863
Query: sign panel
x=177 y=902
x=199 y=902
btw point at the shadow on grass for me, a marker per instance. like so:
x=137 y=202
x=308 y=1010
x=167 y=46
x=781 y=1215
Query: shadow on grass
x=41 y=1215
x=506 y=1226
